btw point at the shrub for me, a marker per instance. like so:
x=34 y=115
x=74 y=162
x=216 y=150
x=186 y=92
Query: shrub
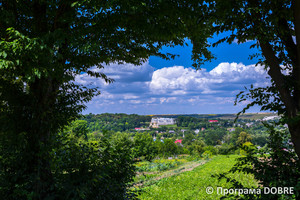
x=207 y=154
x=212 y=149
x=225 y=149
x=80 y=170
x=279 y=167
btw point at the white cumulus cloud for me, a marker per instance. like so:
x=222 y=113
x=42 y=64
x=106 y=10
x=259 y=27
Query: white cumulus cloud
x=226 y=76
x=142 y=89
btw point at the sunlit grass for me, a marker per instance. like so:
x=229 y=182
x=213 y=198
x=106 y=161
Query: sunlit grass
x=192 y=184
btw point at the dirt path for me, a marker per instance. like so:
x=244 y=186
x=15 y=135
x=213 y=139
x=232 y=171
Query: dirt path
x=181 y=169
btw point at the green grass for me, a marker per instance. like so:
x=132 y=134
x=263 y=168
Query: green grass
x=192 y=184
x=159 y=165
x=149 y=176
x=169 y=126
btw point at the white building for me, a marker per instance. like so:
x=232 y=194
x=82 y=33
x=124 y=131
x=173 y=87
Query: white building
x=156 y=122
x=271 y=118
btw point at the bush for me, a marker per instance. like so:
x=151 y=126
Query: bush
x=279 y=167
x=80 y=170
x=225 y=149
x=212 y=149
x=207 y=154
x=197 y=147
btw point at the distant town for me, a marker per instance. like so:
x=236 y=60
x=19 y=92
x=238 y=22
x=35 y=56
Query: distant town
x=213 y=129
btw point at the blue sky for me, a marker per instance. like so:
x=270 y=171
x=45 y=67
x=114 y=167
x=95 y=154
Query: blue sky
x=173 y=87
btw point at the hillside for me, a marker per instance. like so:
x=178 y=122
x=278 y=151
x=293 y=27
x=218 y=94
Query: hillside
x=251 y=116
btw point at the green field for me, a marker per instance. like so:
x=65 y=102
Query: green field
x=192 y=184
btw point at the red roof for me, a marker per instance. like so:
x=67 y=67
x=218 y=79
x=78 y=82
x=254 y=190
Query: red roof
x=213 y=120
x=178 y=141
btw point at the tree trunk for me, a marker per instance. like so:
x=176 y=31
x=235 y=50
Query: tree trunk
x=39 y=166
x=42 y=123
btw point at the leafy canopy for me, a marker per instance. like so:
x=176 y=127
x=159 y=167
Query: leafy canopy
x=43 y=46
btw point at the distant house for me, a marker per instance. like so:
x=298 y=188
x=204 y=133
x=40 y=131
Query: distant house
x=231 y=129
x=249 y=124
x=271 y=118
x=213 y=121
x=178 y=141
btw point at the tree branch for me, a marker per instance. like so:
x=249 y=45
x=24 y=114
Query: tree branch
x=287 y=40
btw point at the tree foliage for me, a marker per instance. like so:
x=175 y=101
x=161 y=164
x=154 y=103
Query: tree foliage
x=43 y=46
x=167 y=148
x=144 y=146
x=214 y=137
x=116 y=122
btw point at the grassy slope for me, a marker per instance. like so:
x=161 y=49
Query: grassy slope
x=192 y=184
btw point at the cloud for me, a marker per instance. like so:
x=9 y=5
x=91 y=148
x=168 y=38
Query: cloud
x=129 y=79
x=176 y=80
x=129 y=72
x=236 y=41
x=144 y=90
x=225 y=77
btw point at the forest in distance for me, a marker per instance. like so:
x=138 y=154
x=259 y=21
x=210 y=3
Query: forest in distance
x=223 y=130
